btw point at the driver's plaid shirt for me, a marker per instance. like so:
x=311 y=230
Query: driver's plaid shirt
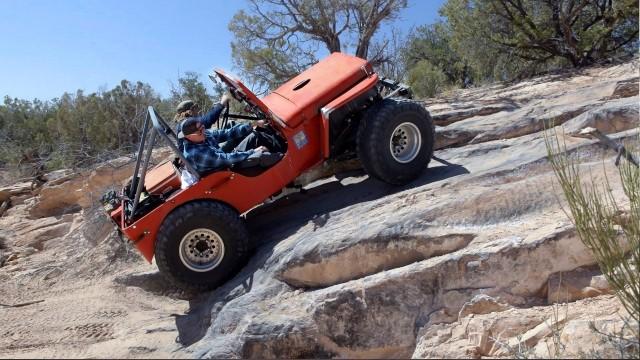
x=208 y=156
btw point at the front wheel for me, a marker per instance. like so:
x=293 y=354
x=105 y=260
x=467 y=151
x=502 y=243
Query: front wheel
x=395 y=141
x=201 y=245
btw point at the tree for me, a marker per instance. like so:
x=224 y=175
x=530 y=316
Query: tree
x=125 y=106
x=276 y=39
x=390 y=54
x=541 y=33
x=23 y=130
x=580 y=31
x=470 y=38
x=190 y=87
x=75 y=129
x=432 y=43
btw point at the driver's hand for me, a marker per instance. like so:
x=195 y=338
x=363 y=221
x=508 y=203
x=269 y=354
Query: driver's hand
x=224 y=100
x=262 y=149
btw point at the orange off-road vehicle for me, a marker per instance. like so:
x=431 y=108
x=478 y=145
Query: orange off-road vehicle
x=337 y=108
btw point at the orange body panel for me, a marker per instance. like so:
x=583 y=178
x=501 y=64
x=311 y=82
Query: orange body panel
x=327 y=79
x=338 y=103
x=237 y=84
x=302 y=126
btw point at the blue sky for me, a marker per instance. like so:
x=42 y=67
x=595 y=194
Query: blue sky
x=52 y=46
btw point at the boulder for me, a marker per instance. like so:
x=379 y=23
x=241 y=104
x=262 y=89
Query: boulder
x=481 y=304
x=504 y=112
x=459 y=112
x=576 y=284
x=314 y=266
x=310 y=289
x=69 y=193
x=625 y=88
x=555 y=331
x=20 y=188
x=611 y=117
x=72 y=193
x=37 y=232
x=58 y=200
x=377 y=315
x=599 y=335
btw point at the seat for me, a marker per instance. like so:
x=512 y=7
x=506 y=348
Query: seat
x=250 y=167
x=162 y=179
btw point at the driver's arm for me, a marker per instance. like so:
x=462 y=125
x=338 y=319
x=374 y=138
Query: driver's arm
x=213 y=114
x=204 y=158
x=236 y=132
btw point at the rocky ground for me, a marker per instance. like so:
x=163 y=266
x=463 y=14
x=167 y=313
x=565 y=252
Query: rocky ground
x=476 y=258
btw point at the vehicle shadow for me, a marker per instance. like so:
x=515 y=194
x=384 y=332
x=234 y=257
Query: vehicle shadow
x=271 y=223
x=283 y=217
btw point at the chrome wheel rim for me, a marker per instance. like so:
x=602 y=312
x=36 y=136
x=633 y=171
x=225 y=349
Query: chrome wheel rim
x=201 y=250
x=405 y=142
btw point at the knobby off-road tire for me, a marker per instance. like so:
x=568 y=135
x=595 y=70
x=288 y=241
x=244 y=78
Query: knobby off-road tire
x=201 y=245
x=395 y=140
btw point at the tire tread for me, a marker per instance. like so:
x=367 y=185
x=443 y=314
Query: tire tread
x=371 y=133
x=176 y=219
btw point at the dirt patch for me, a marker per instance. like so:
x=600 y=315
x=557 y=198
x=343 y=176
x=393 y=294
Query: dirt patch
x=153 y=283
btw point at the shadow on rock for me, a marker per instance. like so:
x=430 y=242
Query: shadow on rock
x=282 y=218
x=193 y=325
x=154 y=283
x=274 y=222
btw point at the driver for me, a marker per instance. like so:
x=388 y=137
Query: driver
x=188 y=109
x=202 y=146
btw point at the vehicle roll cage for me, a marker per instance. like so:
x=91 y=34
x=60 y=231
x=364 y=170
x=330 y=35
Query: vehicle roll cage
x=156 y=126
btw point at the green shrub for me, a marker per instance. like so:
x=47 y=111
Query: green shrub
x=606 y=226
x=426 y=80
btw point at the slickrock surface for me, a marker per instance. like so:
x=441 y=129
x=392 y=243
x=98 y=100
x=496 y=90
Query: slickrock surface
x=475 y=258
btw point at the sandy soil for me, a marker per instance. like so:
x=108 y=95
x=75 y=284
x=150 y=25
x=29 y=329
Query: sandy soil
x=99 y=302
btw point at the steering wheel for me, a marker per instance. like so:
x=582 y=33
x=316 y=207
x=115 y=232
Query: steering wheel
x=225 y=117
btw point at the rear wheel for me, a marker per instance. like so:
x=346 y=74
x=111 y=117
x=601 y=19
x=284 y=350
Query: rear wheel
x=395 y=140
x=201 y=245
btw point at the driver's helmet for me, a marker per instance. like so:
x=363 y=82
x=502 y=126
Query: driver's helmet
x=186 y=105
